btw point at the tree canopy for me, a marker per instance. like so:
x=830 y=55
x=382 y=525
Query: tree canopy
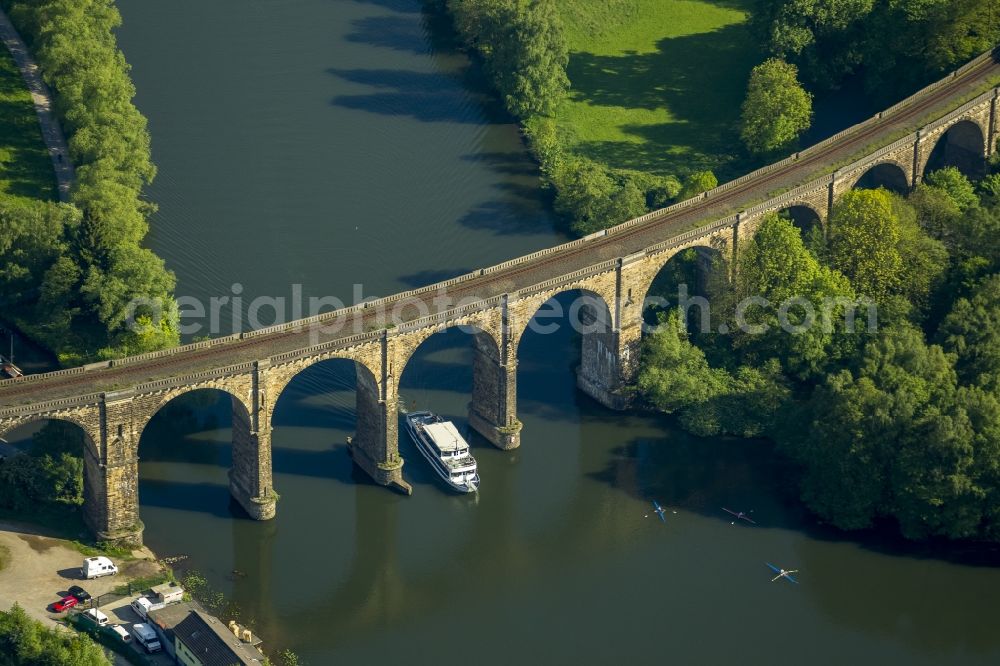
x=87 y=265
x=777 y=109
x=895 y=45
x=28 y=642
x=523 y=47
x=793 y=306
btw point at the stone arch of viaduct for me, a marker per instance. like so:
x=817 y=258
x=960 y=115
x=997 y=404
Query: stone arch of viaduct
x=613 y=269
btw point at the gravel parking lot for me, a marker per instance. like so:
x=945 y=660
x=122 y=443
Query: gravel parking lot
x=42 y=568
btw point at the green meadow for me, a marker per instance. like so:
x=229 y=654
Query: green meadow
x=25 y=166
x=657 y=84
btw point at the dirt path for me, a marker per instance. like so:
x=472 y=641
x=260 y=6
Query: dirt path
x=41 y=568
x=42 y=98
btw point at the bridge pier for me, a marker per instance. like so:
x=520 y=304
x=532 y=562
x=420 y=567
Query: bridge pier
x=111 y=471
x=493 y=411
x=250 y=479
x=375 y=447
x=111 y=506
x=608 y=357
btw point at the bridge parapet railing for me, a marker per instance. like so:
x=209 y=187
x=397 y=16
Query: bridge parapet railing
x=340 y=343
x=24 y=379
x=944 y=120
x=867 y=162
x=170 y=382
x=940 y=82
x=440 y=318
x=790 y=196
x=693 y=235
x=610 y=231
x=50 y=405
x=583 y=273
x=201 y=344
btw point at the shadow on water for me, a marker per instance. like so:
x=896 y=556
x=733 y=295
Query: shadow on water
x=425 y=96
x=515 y=214
x=212 y=499
x=704 y=475
x=431 y=276
x=333 y=463
x=420 y=30
x=400 y=6
x=457 y=92
x=510 y=163
x=400 y=33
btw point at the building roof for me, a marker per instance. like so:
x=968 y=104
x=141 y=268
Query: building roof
x=212 y=642
x=171 y=615
x=166 y=588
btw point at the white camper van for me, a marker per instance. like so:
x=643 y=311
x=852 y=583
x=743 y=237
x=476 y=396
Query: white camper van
x=142 y=606
x=95 y=567
x=96 y=616
x=147 y=638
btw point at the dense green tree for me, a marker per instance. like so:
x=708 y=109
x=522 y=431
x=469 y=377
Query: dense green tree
x=530 y=67
x=591 y=199
x=50 y=471
x=937 y=212
x=747 y=408
x=958 y=187
x=972 y=332
x=777 y=109
x=895 y=45
x=925 y=260
x=33 y=235
x=696 y=183
x=25 y=641
x=674 y=373
x=87 y=263
x=977 y=234
x=989 y=190
x=892 y=440
x=524 y=49
x=864 y=242
x=790 y=307
x=675 y=377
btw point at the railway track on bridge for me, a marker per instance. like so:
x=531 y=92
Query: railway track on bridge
x=618 y=242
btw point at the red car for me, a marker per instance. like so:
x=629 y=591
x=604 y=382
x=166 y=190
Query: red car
x=65 y=604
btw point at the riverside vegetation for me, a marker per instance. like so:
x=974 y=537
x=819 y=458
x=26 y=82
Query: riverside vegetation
x=70 y=270
x=899 y=422
x=631 y=105
x=27 y=641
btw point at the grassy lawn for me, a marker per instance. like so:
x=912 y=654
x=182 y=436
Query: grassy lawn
x=25 y=166
x=657 y=84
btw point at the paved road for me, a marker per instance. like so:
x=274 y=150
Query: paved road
x=562 y=261
x=42 y=98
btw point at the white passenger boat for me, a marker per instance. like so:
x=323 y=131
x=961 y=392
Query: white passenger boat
x=445 y=449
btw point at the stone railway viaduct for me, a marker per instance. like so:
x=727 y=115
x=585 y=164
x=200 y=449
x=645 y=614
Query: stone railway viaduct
x=113 y=401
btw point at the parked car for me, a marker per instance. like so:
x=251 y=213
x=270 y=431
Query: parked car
x=142 y=606
x=80 y=593
x=64 y=604
x=95 y=567
x=147 y=637
x=96 y=616
x=122 y=633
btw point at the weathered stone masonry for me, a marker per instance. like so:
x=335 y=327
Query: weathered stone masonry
x=614 y=289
